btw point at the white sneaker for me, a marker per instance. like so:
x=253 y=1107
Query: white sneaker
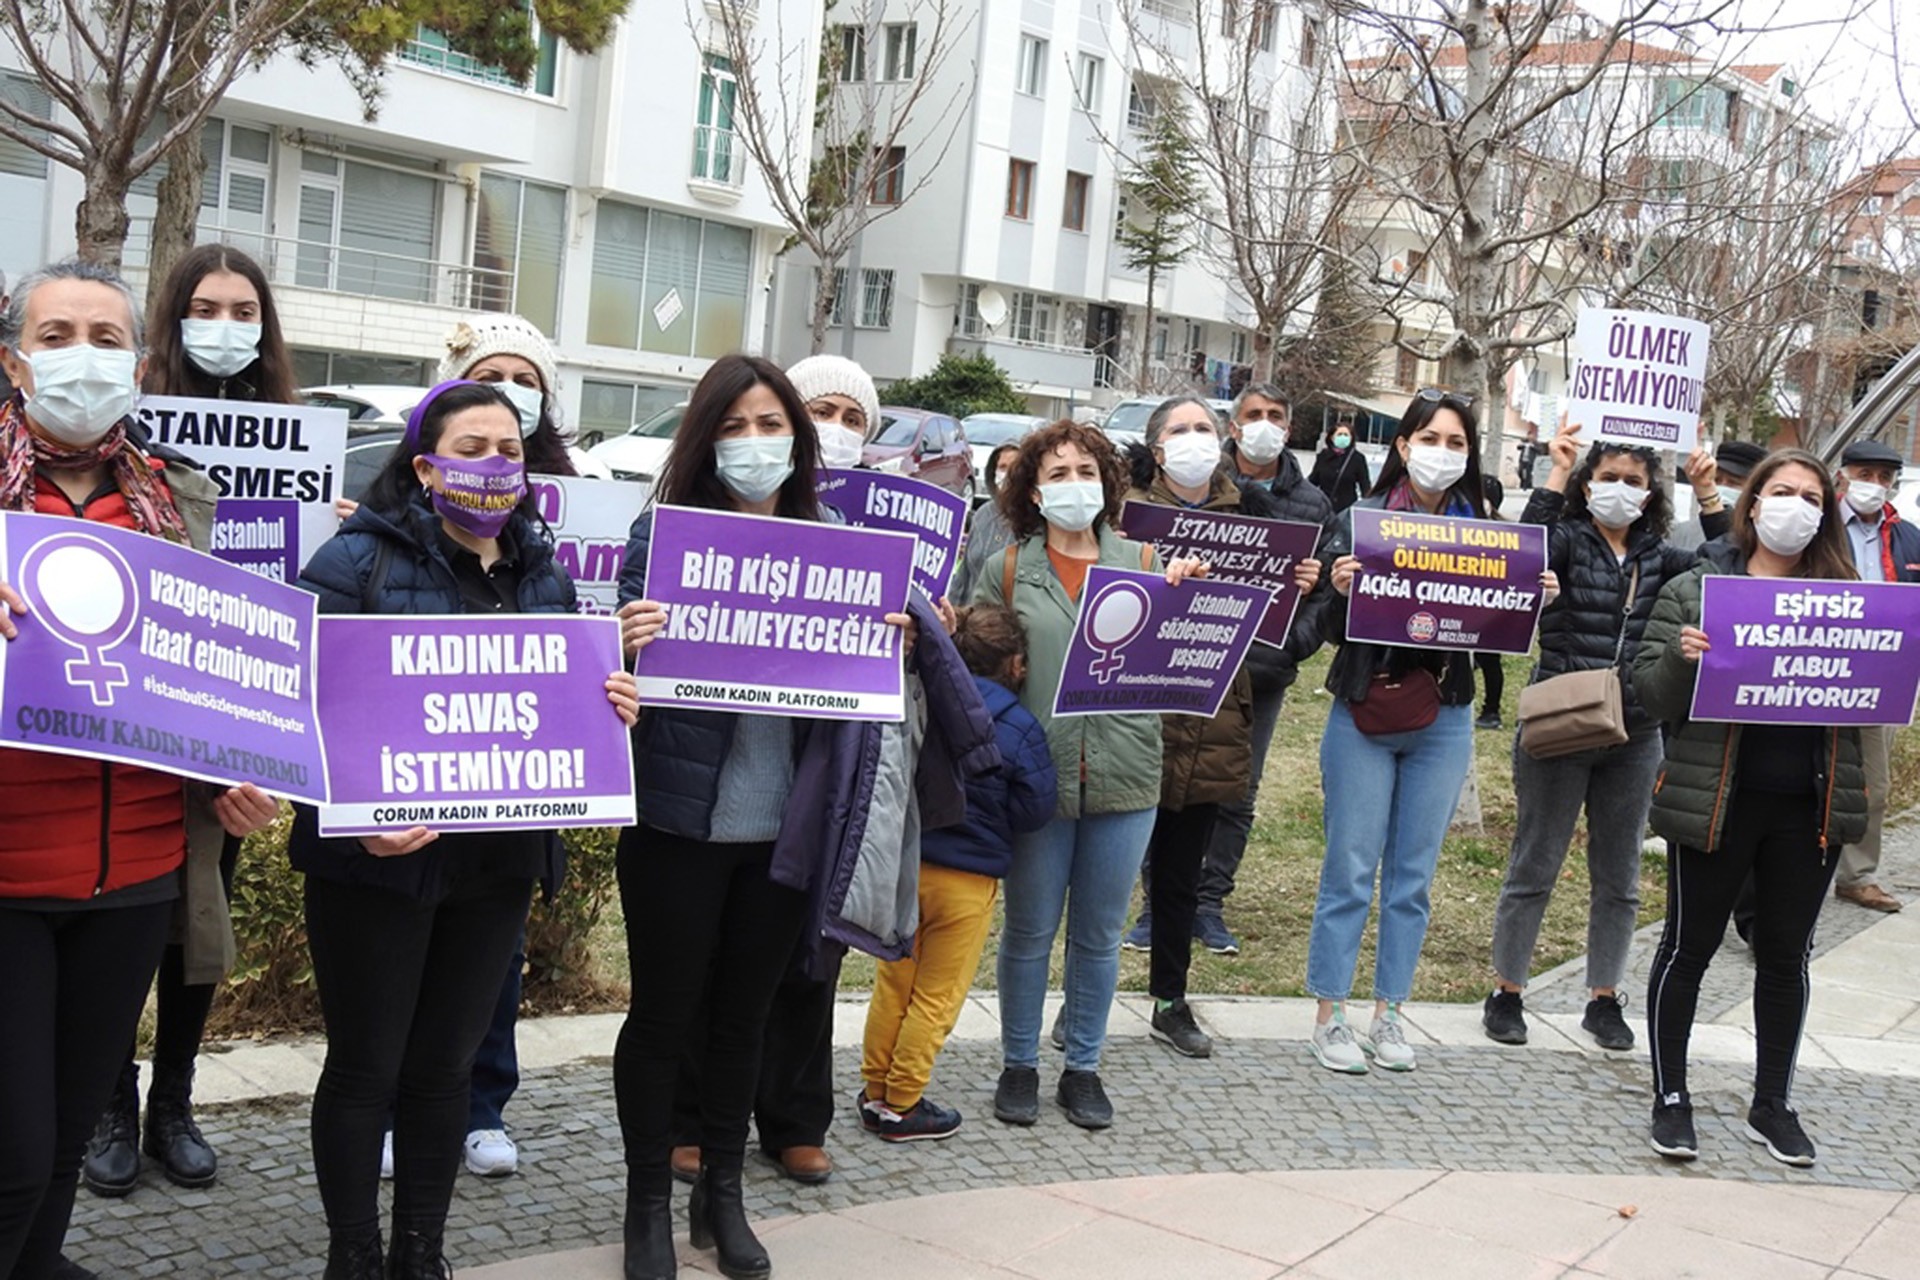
x=386 y=1157
x=1386 y=1041
x=1334 y=1046
x=491 y=1153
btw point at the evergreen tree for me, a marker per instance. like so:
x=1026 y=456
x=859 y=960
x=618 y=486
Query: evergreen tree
x=1163 y=192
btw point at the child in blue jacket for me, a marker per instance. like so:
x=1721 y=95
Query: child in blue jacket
x=916 y=1001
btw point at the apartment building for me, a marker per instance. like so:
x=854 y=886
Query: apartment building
x=1009 y=246
x=608 y=201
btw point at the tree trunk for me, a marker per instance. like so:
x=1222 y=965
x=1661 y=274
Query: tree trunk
x=1144 y=379
x=100 y=219
x=176 y=217
x=1262 y=354
x=1469 y=367
x=823 y=292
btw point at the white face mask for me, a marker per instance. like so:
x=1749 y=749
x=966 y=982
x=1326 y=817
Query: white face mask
x=1615 y=503
x=528 y=402
x=1866 y=497
x=1072 y=505
x=1785 y=523
x=1729 y=494
x=839 y=447
x=1192 y=458
x=80 y=392
x=1261 y=441
x=754 y=467
x=1434 y=467
x=220 y=347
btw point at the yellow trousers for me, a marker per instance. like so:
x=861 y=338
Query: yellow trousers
x=916 y=1001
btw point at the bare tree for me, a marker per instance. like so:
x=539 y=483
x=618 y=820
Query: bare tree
x=881 y=123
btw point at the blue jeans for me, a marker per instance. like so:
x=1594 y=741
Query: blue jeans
x=1389 y=799
x=1082 y=867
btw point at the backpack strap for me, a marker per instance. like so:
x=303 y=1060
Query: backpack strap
x=377 y=580
x=1008 y=565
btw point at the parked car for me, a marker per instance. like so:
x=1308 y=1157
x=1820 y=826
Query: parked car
x=641 y=452
x=369 y=407
x=987 y=432
x=925 y=446
x=1126 y=422
x=367 y=453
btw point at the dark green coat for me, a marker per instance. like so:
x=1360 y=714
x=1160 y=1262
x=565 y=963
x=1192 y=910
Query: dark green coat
x=1697 y=779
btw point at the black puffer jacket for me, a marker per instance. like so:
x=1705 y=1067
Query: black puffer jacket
x=1356 y=663
x=1342 y=475
x=1581 y=628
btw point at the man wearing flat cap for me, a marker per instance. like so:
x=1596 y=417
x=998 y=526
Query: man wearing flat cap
x=1885 y=549
x=1733 y=462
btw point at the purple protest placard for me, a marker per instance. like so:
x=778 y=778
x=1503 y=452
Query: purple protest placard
x=472 y=723
x=260 y=535
x=1245 y=549
x=776 y=617
x=1141 y=645
x=142 y=651
x=1793 y=651
x=878 y=500
x=1440 y=582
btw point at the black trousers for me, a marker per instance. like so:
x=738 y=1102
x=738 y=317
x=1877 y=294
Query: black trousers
x=407 y=989
x=1176 y=851
x=70 y=999
x=1776 y=839
x=706 y=929
x=180 y=1009
x=1494 y=676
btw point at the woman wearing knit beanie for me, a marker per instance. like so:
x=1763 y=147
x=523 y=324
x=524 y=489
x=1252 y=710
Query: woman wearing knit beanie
x=844 y=405
x=509 y=351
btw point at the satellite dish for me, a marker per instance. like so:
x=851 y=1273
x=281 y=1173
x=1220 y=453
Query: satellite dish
x=992 y=306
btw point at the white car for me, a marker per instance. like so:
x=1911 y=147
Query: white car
x=369 y=407
x=641 y=452
x=987 y=432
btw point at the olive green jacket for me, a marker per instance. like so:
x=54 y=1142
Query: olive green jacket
x=1114 y=759
x=1697 y=780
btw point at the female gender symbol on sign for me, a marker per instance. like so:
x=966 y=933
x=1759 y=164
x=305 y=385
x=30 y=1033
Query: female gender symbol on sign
x=1111 y=621
x=84 y=593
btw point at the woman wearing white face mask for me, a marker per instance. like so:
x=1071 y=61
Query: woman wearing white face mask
x=1060 y=500
x=1607 y=525
x=91 y=851
x=1774 y=801
x=1392 y=770
x=509 y=352
x=843 y=404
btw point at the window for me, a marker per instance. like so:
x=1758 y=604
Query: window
x=1674 y=179
x=368 y=229
x=1074 y=217
x=1142 y=107
x=1264 y=14
x=519 y=233
x=1033 y=66
x=903 y=39
x=971 y=325
x=1693 y=104
x=1196 y=339
x=1229 y=17
x=17 y=161
x=717 y=154
x=1020 y=189
x=1309 y=40
x=853 y=54
x=430 y=49
x=1162 y=338
x=1406 y=369
x=1242 y=347
x=1087 y=85
x=1172 y=10
x=1030 y=317
x=667 y=282
x=875 y=302
x=1417 y=266
x=890 y=175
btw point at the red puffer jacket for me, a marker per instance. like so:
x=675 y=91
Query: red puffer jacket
x=78 y=827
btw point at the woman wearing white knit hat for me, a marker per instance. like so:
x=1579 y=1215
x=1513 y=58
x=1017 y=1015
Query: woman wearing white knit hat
x=844 y=405
x=509 y=351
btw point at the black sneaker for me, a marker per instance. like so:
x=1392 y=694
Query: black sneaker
x=1488 y=720
x=1605 y=1023
x=1773 y=1122
x=1058 y=1036
x=924 y=1119
x=1672 y=1132
x=1174 y=1025
x=1084 y=1100
x=1503 y=1018
x=869 y=1110
x=1017 y=1098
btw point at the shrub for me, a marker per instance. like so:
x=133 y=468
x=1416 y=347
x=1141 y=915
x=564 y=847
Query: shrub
x=959 y=385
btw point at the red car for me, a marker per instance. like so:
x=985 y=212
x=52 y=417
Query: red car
x=924 y=445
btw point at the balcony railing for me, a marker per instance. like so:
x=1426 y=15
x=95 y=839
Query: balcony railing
x=365 y=273
x=718 y=156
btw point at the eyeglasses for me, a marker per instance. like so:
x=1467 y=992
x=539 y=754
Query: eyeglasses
x=1442 y=395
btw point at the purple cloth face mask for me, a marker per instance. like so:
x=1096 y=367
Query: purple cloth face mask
x=478 y=494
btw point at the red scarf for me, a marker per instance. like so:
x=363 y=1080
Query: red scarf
x=23 y=454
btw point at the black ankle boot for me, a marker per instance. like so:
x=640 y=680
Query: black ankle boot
x=717 y=1217
x=355 y=1257
x=112 y=1165
x=649 y=1236
x=415 y=1256
x=172 y=1137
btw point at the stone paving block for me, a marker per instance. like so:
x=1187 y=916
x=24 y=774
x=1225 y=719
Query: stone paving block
x=1389 y=1246
x=1665 y=1251
x=987 y=1226
x=1519 y=1211
x=1117 y=1248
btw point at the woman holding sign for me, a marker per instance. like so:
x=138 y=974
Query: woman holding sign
x=411 y=930
x=1607 y=526
x=1398 y=742
x=1061 y=501
x=91 y=850
x=1778 y=801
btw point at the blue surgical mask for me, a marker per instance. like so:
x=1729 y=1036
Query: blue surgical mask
x=80 y=392
x=1072 y=505
x=1729 y=494
x=220 y=347
x=528 y=402
x=754 y=467
x=839 y=447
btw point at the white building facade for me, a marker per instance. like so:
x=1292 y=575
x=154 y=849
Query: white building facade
x=608 y=201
